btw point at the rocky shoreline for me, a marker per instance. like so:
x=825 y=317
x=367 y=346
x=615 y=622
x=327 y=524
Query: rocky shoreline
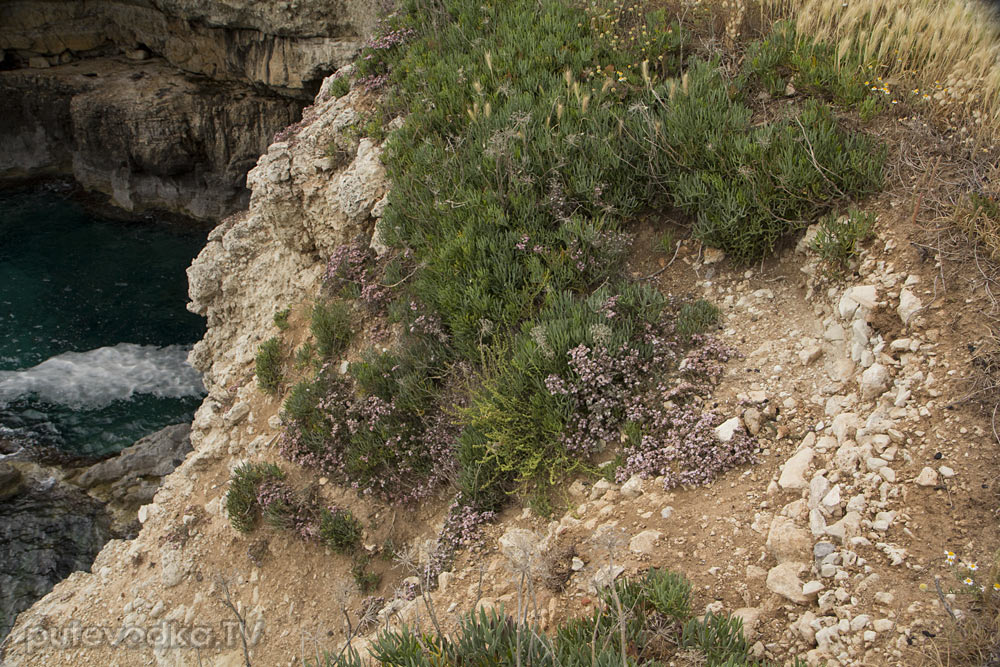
x=58 y=512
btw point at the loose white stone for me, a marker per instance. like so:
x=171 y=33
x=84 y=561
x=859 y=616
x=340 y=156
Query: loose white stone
x=810 y=354
x=860 y=622
x=645 y=542
x=727 y=429
x=793 y=474
x=783 y=579
x=633 y=487
x=786 y=541
x=927 y=477
x=909 y=305
x=832 y=499
x=811 y=589
x=874 y=381
x=865 y=296
x=236 y=413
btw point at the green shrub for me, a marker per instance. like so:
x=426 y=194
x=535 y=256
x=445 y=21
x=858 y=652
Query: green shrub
x=281 y=319
x=340 y=530
x=241 y=498
x=268 y=366
x=838 y=237
x=366 y=581
x=748 y=185
x=339 y=87
x=331 y=327
x=490 y=636
x=719 y=638
x=305 y=356
x=514 y=421
x=668 y=592
x=697 y=317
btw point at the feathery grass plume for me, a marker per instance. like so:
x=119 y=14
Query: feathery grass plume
x=946 y=50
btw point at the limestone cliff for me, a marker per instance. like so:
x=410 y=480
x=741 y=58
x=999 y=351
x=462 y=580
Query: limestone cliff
x=161 y=104
x=281 y=45
x=303 y=205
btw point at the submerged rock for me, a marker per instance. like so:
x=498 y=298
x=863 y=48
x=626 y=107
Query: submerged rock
x=131 y=478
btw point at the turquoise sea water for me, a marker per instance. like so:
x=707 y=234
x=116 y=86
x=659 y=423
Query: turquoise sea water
x=93 y=327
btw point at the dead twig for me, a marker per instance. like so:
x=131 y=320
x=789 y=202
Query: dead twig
x=227 y=601
x=944 y=601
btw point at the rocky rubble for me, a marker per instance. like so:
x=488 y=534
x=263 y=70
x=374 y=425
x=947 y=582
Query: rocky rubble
x=839 y=499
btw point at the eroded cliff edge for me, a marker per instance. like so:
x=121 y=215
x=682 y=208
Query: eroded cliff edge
x=303 y=205
x=161 y=104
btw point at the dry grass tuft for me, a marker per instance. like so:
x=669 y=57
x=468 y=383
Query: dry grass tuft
x=978 y=213
x=942 y=51
x=972 y=637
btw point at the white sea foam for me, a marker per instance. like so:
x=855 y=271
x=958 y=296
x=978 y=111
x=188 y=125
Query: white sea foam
x=97 y=378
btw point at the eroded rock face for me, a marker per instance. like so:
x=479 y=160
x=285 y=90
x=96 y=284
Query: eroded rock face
x=162 y=104
x=47 y=531
x=282 y=45
x=139 y=133
x=300 y=211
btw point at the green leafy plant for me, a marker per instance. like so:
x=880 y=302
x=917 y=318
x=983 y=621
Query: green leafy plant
x=697 y=317
x=668 y=242
x=268 y=366
x=340 y=530
x=330 y=325
x=783 y=58
x=241 y=498
x=838 y=239
x=339 y=87
x=305 y=356
x=281 y=319
x=365 y=580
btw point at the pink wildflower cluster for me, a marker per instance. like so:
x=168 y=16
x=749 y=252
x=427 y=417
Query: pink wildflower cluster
x=370 y=445
x=605 y=387
x=386 y=37
x=608 y=247
x=373 y=82
x=351 y=266
x=678 y=440
x=462 y=529
x=285 y=509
